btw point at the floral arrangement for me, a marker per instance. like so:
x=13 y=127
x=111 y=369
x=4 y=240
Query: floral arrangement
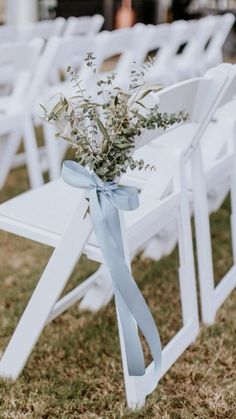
x=103 y=129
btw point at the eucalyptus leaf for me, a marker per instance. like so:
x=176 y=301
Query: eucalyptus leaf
x=144 y=94
x=102 y=129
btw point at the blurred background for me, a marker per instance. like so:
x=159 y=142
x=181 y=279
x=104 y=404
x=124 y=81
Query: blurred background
x=146 y=11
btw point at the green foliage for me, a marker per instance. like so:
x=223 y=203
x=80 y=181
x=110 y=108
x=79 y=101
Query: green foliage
x=103 y=133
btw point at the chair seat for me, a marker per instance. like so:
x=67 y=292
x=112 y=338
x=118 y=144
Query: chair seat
x=157 y=159
x=43 y=214
x=48 y=208
x=158 y=152
x=182 y=139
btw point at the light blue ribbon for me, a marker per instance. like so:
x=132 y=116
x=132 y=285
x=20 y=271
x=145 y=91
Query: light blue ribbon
x=105 y=199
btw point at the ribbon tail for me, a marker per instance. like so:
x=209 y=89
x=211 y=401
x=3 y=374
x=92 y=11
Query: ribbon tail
x=132 y=308
x=131 y=304
x=132 y=344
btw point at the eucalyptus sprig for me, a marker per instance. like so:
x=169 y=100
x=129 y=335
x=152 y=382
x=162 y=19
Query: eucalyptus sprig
x=103 y=129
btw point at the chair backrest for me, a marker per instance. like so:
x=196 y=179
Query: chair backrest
x=223 y=26
x=199 y=97
x=181 y=34
x=113 y=43
x=72 y=51
x=61 y=52
x=173 y=41
x=228 y=92
x=150 y=40
x=205 y=31
x=17 y=63
x=187 y=31
x=44 y=29
x=213 y=149
x=58 y=54
x=84 y=25
x=114 y=52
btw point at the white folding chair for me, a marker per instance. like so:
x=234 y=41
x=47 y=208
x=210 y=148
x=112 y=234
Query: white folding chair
x=221 y=169
x=204 y=39
x=204 y=31
x=194 y=38
x=18 y=62
x=214 y=51
x=183 y=61
x=59 y=235
x=156 y=42
x=213 y=175
x=115 y=46
x=176 y=52
x=214 y=163
x=57 y=55
x=54 y=215
x=84 y=25
x=44 y=84
x=44 y=29
x=73 y=51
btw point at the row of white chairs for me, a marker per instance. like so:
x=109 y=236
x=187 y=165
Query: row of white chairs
x=54 y=215
x=204 y=39
x=46 y=29
x=195 y=39
x=22 y=117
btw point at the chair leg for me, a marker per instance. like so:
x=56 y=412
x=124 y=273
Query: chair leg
x=187 y=278
x=203 y=239
x=233 y=211
x=45 y=296
x=32 y=154
x=11 y=145
x=135 y=393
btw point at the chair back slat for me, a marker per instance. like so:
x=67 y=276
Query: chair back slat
x=84 y=25
x=196 y=97
x=223 y=25
x=72 y=52
x=44 y=29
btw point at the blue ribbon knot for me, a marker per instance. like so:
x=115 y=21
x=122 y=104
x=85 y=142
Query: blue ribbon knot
x=105 y=199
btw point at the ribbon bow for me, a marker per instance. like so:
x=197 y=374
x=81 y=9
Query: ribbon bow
x=105 y=199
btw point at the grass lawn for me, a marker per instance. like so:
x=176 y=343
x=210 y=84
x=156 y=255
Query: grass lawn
x=75 y=369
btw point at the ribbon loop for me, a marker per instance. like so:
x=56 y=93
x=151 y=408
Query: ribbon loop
x=105 y=201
